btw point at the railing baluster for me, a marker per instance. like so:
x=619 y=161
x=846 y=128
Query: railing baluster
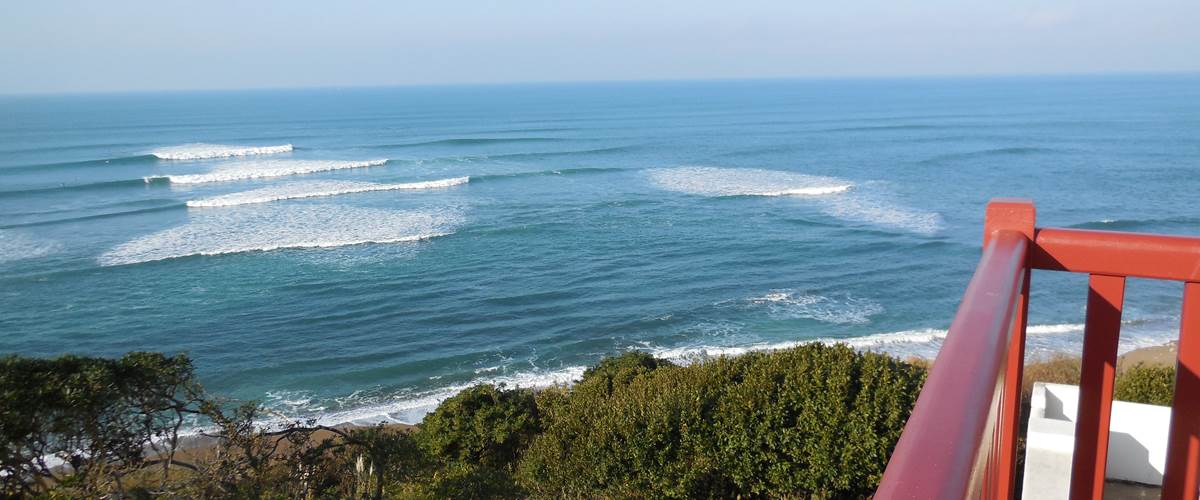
x=1010 y=416
x=957 y=444
x=1102 y=329
x=1183 y=451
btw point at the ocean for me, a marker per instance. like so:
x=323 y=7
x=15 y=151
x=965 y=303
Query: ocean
x=357 y=255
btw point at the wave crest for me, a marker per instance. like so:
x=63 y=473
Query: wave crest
x=709 y=181
x=858 y=206
x=365 y=408
x=313 y=189
x=1043 y=340
x=272 y=228
x=263 y=169
x=15 y=247
x=839 y=310
x=881 y=213
x=201 y=151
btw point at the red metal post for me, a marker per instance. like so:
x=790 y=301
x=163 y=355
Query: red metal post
x=1019 y=215
x=960 y=440
x=1183 y=449
x=1106 y=294
x=945 y=450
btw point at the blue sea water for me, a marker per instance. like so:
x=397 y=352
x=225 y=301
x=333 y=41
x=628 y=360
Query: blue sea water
x=359 y=254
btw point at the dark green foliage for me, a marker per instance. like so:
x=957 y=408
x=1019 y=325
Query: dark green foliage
x=483 y=425
x=116 y=422
x=1154 y=385
x=99 y=415
x=814 y=420
x=464 y=481
x=619 y=371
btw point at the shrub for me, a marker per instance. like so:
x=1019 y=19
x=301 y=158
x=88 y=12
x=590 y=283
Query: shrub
x=813 y=420
x=618 y=371
x=97 y=415
x=1059 y=369
x=464 y=481
x=1154 y=385
x=483 y=425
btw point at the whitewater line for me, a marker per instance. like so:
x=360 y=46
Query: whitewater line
x=264 y=169
x=200 y=151
x=314 y=189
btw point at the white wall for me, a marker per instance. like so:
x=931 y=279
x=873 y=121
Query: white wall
x=1137 y=443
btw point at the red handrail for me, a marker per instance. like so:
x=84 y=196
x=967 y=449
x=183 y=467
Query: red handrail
x=960 y=441
x=950 y=443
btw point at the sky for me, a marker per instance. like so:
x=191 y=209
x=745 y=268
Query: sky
x=131 y=45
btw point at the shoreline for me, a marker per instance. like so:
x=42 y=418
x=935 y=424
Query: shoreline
x=198 y=447
x=1156 y=355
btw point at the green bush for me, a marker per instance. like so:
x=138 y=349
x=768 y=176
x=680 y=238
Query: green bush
x=813 y=420
x=483 y=425
x=1154 y=385
x=96 y=414
x=464 y=481
x=618 y=371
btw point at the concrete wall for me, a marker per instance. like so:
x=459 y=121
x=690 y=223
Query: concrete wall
x=1137 y=443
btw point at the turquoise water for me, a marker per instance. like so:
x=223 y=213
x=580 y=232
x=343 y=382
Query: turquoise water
x=360 y=254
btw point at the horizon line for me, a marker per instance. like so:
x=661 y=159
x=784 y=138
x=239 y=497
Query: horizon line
x=847 y=77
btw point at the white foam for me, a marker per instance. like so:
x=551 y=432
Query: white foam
x=312 y=189
x=882 y=213
x=1054 y=329
x=15 y=247
x=708 y=181
x=411 y=408
x=1041 y=341
x=201 y=151
x=690 y=354
x=270 y=227
x=843 y=309
x=244 y=170
x=834 y=195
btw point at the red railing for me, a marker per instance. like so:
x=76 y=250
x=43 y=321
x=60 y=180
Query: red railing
x=960 y=441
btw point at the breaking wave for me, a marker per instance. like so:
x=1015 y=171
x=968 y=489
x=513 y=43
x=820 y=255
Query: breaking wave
x=276 y=227
x=15 y=247
x=410 y=407
x=313 y=189
x=882 y=213
x=834 y=196
x=1041 y=341
x=201 y=151
x=708 y=181
x=265 y=168
x=836 y=310
x=368 y=408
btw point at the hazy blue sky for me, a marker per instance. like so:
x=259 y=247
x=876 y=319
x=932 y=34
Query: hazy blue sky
x=51 y=45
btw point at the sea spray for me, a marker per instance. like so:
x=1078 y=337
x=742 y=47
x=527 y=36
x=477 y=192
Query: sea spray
x=267 y=228
x=313 y=189
x=259 y=169
x=201 y=151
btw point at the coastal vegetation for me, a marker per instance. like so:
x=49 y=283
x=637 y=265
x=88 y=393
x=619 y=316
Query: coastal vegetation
x=813 y=421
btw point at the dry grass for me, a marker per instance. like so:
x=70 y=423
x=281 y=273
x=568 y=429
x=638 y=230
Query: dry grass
x=1060 y=369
